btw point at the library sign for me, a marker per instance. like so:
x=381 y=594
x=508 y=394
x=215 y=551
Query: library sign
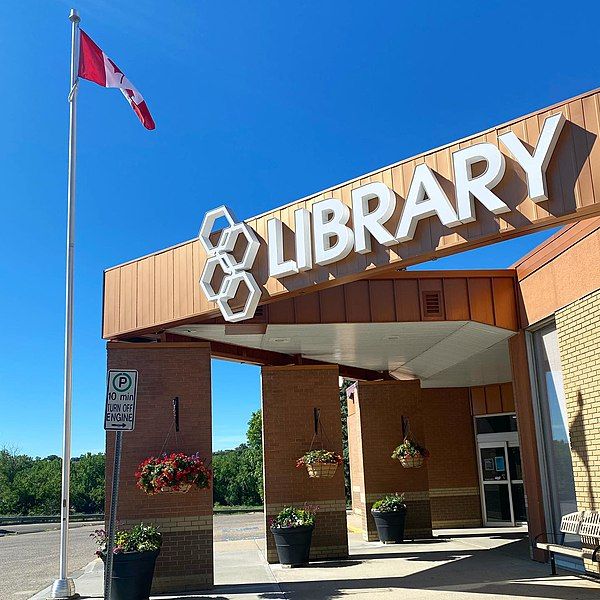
x=332 y=230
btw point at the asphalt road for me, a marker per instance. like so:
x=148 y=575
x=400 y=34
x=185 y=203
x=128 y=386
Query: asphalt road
x=29 y=553
x=29 y=556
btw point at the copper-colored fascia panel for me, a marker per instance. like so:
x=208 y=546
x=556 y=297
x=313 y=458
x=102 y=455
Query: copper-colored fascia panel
x=446 y=274
x=162 y=288
x=554 y=246
x=565 y=271
x=483 y=296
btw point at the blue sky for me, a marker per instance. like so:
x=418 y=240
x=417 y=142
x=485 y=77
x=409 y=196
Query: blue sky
x=256 y=104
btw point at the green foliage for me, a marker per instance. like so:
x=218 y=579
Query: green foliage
x=87 y=483
x=319 y=456
x=291 y=516
x=409 y=448
x=237 y=474
x=38 y=487
x=255 y=450
x=31 y=486
x=254 y=432
x=390 y=503
x=234 y=477
x=346 y=452
x=140 y=538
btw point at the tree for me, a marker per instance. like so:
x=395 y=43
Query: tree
x=31 y=486
x=11 y=463
x=38 y=487
x=234 y=478
x=237 y=474
x=346 y=454
x=87 y=483
x=255 y=449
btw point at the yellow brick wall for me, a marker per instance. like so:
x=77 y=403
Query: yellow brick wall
x=578 y=328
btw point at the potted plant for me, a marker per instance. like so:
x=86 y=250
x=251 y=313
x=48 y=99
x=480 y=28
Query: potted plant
x=292 y=530
x=134 y=557
x=176 y=472
x=410 y=454
x=320 y=463
x=389 y=514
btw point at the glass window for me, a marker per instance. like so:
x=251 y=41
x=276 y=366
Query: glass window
x=514 y=463
x=518 y=498
x=497 y=503
x=493 y=464
x=555 y=425
x=498 y=424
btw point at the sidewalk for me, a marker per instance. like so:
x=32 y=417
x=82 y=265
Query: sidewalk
x=473 y=564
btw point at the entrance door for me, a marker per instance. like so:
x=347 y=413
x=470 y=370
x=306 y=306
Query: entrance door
x=503 y=497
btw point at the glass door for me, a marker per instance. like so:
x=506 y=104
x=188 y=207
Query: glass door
x=500 y=472
x=517 y=489
x=495 y=480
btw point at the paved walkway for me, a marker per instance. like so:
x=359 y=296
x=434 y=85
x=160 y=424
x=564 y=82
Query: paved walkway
x=29 y=556
x=473 y=564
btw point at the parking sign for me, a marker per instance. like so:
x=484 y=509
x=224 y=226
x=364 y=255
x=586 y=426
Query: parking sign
x=121 y=392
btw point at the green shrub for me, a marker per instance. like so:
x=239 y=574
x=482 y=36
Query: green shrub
x=291 y=516
x=390 y=503
x=140 y=538
x=319 y=456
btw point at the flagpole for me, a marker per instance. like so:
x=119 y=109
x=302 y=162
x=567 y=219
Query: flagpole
x=63 y=587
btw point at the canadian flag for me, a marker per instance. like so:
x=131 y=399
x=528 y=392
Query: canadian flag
x=95 y=66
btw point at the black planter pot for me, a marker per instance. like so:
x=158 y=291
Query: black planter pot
x=390 y=525
x=293 y=544
x=132 y=575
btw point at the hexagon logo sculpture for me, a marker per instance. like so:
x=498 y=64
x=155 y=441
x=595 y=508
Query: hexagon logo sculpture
x=235 y=272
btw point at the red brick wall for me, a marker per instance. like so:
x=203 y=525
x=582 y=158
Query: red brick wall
x=289 y=395
x=453 y=472
x=379 y=407
x=167 y=370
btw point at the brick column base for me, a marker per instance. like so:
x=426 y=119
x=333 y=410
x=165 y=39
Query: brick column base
x=185 y=540
x=329 y=539
x=166 y=370
x=289 y=396
x=452 y=469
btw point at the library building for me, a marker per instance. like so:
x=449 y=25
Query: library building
x=493 y=373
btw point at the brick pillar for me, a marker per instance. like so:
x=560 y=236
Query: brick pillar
x=289 y=396
x=167 y=370
x=378 y=408
x=452 y=469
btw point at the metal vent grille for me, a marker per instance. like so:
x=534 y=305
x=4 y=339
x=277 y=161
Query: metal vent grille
x=432 y=304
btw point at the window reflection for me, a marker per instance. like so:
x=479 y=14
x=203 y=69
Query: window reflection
x=554 y=423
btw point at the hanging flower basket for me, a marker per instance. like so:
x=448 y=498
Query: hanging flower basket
x=173 y=473
x=321 y=469
x=320 y=463
x=411 y=462
x=180 y=489
x=410 y=454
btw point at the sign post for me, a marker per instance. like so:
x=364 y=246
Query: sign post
x=119 y=416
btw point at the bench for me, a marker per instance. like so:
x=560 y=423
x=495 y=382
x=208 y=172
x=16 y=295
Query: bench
x=585 y=524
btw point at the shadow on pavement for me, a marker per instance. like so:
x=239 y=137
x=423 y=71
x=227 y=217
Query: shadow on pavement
x=477 y=570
